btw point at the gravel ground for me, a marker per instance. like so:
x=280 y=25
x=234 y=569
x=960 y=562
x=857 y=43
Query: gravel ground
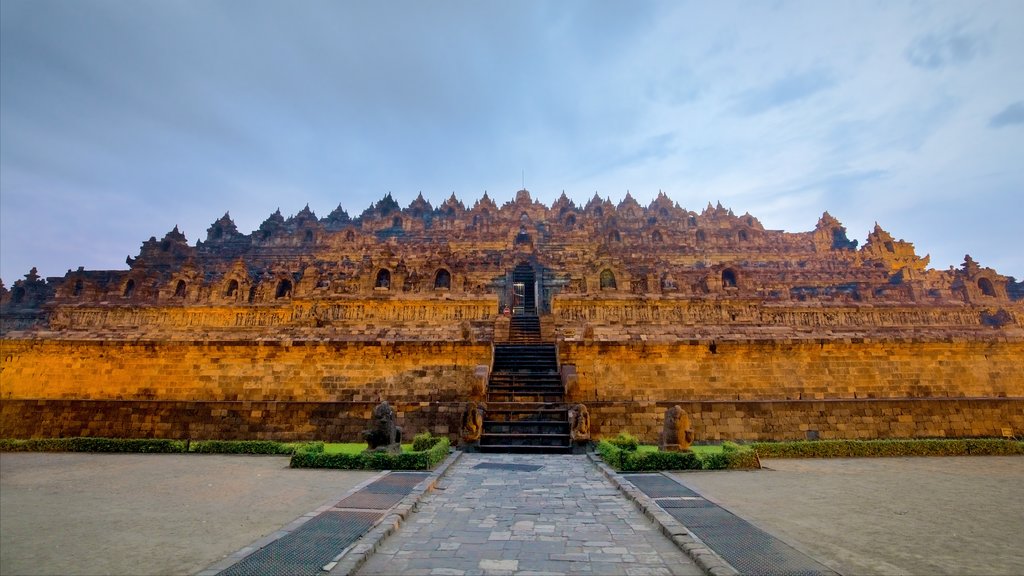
x=148 y=513
x=956 y=515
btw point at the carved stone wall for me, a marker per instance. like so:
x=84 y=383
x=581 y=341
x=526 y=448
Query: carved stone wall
x=653 y=305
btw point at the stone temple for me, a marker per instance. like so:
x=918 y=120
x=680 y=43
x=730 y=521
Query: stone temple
x=518 y=312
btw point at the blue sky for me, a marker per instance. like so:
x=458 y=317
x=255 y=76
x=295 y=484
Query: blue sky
x=120 y=120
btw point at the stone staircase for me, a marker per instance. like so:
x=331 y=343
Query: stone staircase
x=526 y=409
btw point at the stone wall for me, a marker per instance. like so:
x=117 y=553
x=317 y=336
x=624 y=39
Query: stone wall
x=829 y=419
x=343 y=421
x=346 y=313
x=281 y=371
x=285 y=421
x=692 y=370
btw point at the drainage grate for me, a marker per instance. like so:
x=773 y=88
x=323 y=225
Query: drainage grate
x=659 y=486
x=512 y=467
x=371 y=501
x=307 y=549
x=667 y=503
x=396 y=483
x=749 y=549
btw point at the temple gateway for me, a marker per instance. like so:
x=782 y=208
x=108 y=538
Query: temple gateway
x=500 y=319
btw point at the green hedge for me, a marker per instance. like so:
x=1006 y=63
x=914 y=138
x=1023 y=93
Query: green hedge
x=873 y=448
x=732 y=456
x=154 y=445
x=424 y=441
x=312 y=456
x=242 y=447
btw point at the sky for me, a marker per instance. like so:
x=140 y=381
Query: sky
x=122 y=119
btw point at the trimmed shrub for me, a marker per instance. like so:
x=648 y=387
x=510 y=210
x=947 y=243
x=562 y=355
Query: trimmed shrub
x=625 y=441
x=242 y=447
x=136 y=445
x=611 y=454
x=732 y=457
x=424 y=441
x=892 y=447
x=739 y=457
x=312 y=456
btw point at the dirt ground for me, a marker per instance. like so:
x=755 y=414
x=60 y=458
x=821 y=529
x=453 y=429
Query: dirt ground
x=148 y=513
x=957 y=516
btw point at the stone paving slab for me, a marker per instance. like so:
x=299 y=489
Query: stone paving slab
x=950 y=516
x=565 y=518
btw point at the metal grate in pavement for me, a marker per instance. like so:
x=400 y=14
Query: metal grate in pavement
x=512 y=467
x=749 y=549
x=370 y=501
x=667 y=503
x=658 y=485
x=396 y=483
x=307 y=549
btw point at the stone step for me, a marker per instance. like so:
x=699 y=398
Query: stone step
x=525 y=449
x=526 y=427
x=514 y=395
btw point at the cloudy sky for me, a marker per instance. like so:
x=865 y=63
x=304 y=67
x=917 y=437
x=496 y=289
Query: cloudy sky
x=121 y=119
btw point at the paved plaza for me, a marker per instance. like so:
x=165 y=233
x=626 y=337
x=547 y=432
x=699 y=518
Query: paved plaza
x=140 y=514
x=178 y=514
x=885 y=516
x=562 y=518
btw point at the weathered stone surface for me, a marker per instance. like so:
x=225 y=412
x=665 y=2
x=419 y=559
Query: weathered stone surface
x=473 y=421
x=650 y=307
x=579 y=423
x=676 y=433
x=383 y=433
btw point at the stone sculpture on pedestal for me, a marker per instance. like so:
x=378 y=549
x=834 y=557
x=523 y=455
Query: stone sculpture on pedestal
x=677 y=434
x=473 y=421
x=383 y=433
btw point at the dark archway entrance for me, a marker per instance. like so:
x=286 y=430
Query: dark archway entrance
x=524 y=291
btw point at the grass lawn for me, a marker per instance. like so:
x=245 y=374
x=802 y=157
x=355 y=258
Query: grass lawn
x=353 y=447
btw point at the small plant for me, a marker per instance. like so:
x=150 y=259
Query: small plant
x=625 y=441
x=424 y=441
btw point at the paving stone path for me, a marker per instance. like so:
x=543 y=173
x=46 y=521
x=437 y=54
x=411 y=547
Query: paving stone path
x=563 y=518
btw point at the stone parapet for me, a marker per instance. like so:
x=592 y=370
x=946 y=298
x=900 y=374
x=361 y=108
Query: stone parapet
x=609 y=317
x=419 y=319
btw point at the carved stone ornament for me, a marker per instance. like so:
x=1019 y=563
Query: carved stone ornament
x=383 y=432
x=677 y=434
x=579 y=421
x=473 y=421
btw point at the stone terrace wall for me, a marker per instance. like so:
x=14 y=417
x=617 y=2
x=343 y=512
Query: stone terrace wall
x=792 y=370
x=343 y=421
x=285 y=421
x=366 y=319
x=622 y=317
x=831 y=419
x=303 y=371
